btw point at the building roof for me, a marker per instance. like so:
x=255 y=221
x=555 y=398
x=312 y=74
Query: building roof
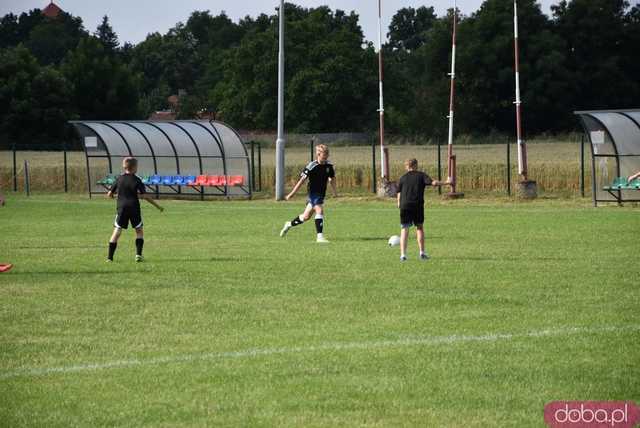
x=163 y=115
x=52 y=10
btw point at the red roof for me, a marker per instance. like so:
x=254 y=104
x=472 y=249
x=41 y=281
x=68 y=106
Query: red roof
x=52 y=10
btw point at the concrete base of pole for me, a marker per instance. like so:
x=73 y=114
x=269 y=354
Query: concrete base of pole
x=387 y=189
x=454 y=195
x=527 y=189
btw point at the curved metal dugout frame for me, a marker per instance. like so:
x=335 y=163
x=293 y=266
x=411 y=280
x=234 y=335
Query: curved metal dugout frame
x=154 y=143
x=618 y=196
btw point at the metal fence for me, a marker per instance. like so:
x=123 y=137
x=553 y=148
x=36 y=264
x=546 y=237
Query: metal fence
x=64 y=168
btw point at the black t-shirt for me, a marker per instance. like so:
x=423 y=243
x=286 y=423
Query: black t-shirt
x=318 y=174
x=128 y=186
x=411 y=188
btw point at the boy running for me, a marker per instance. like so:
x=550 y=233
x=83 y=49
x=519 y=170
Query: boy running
x=411 y=203
x=318 y=173
x=129 y=189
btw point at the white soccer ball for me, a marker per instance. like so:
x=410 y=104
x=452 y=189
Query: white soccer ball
x=394 y=240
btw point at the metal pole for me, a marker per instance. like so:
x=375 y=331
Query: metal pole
x=280 y=142
x=451 y=162
x=311 y=147
x=15 y=169
x=508 y=168
x=89 y=174
x=383 y=161
x=374 y=176
x=439 y=168
x=27 y=184
x=260 y=166
x=593 y=178
x=66 y=178
x=522 y=148
x=582 y=165
x=253 y=167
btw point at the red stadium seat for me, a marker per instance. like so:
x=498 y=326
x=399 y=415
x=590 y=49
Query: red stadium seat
x=235 y=180
x=216 y=180
x=201 y=180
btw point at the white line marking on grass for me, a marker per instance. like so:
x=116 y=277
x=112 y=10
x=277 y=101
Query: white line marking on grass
x=257 y=352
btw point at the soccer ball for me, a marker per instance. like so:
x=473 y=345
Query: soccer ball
x=394 y=240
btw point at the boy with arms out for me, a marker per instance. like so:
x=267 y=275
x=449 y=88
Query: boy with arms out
x=318 y=173
x=129 y=189
x=411 y=204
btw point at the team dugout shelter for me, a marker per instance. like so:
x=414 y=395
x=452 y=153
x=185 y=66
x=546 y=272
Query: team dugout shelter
x=192 y=158
x=614 y=137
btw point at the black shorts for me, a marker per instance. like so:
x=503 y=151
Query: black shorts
x=412 y=215
x=128 y=215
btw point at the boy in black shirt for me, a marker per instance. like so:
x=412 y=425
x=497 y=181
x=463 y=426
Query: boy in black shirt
x=411 y=203
x=318 y=172
x=129 y=189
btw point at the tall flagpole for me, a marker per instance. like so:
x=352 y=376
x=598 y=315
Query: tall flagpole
x=451 y=156
x=280 y=142
x=522 y=148
x=383 y=154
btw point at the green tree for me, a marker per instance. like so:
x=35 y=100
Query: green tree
x=51 y=39
x=214 y=31
x=103 y=87
x=18 y=69
x=409 y=27
x=331 y=80
x=34 y=102
x=154 y=100
x=172 y=60
x=427 y=84
x=107 y=36
x=9 y=31
x=601 y=51
x=486 y=70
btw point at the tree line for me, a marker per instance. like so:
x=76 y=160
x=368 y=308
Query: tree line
x=583 y=56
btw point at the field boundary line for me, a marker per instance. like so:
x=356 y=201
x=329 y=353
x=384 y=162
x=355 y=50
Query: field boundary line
x=335 y=346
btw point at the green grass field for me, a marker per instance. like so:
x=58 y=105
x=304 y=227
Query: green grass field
x=226 y=324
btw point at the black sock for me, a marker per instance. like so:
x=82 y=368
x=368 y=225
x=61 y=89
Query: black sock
x=139 y=244
x=112 y=249
x=319 y=224
x=296 y=221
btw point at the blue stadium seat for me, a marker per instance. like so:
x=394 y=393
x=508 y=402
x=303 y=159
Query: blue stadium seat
x=155 y=180
x=189 y=180
x=167 y=180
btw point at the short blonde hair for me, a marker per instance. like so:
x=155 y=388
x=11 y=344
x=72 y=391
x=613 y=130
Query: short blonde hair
x=322 y=148
x=411 y=163
x=130 y=163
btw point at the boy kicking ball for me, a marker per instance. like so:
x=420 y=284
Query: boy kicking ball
x=129 y=189
x=318 y=173
x=411 y=204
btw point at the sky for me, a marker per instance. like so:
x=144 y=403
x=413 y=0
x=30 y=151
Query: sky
x=132 y=20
